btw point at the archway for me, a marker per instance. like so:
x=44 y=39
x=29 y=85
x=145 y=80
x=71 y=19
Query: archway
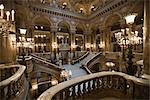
x=112 y=24
x=64 y=40
x=79 y=36
x=42 y=36
x=95 y=38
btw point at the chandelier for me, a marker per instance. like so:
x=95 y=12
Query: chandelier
x=123 y=37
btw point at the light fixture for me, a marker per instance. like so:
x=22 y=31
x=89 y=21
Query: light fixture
x=102 y=44
x=23 y=31
x=130 y=18
x=41 y=27
x=54 y=45
x=54 y=82
x=81 y=10
x=87 y=45
x=64 y=4
x=36 y=27
x=73 y=45
x=12 y=38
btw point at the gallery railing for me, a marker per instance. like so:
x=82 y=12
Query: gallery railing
x=90 y=62
x=80 y=58
x=120 y=84
x=12 y=85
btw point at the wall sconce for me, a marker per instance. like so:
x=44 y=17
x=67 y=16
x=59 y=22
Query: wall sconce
x=73 y=45
x=64 y=5
x=102 y=44
x=88 y=45
x=110 y=65
x=54 y=45
x=35 y=86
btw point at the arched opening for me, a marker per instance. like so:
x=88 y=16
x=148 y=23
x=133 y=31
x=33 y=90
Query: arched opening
x=64 y=40
x=79 y=37
x=113 y=25
x=95 y=38
x=42 y=36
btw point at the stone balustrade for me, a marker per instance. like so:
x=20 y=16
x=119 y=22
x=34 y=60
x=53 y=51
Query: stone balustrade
x=45 y=65
x=91 y=62
x=120 y=84
x=12 y=87
x=85 y=54
x=46 y=55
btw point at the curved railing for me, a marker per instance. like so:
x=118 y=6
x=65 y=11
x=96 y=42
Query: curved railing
x=80 y=58
x=13 y=86
x=91 y=61
x=44 y=60
x=120 y=84
x=28 y=63
x=44 y=55
x=46 y=66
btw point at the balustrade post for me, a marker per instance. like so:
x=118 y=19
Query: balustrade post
x=74 y=91
x=93 y=85
x=129 y=89
x=89 y=86
x=67 y=93
x=57 y=97
x=98 y=83
x=84 y=88
x=79 y=90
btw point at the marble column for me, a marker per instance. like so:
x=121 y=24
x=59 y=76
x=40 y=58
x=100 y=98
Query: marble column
x=107 y=39
x=7 y=49
x=72 y=34
x=87 y=38
x=53 y=39
x=93 y=35
x=72 y=37
x=146 y=37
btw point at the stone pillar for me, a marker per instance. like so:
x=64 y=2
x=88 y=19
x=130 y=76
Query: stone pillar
x=107 y=39
x=7 y=47
x=146 y=37
x=53 y=39
x=87 y=38
x=72 y=35
x=93 y=41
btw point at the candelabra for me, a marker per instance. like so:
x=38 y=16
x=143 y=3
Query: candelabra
x=127 y=38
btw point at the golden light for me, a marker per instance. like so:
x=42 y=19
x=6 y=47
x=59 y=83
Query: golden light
x=110 y=64
x=88 y=45
x=130 y=18
x=23 y=31
x=102 y=44
x=12 y=38
x=54 y=45
x=1 y=6
x=73 y=45
x=34 y=86
x=64 y=4
x=54 y=82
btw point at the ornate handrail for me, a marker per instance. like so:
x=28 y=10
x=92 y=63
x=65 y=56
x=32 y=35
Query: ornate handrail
x=44 y=60
x=13 y=87
x=80 y=58
x=87 y=63
x=95 y=81
x=14 y=77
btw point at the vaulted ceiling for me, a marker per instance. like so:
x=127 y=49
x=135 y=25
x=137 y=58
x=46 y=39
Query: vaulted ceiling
x=80 y=6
